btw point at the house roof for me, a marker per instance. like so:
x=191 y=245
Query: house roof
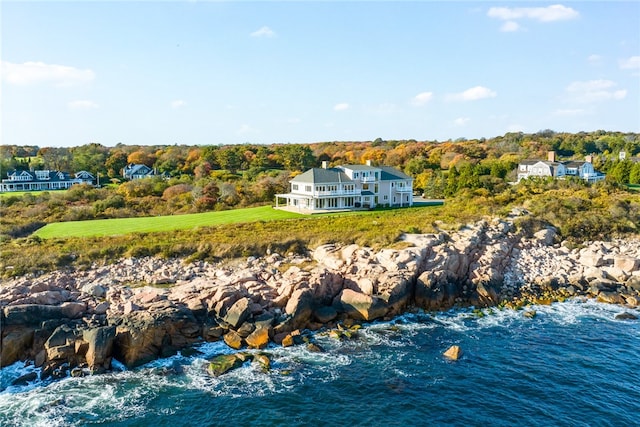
x=361 y=167
x=574 y=164
x=390 y=174
x=320 y=175
x=135 y=169
x=37 y=176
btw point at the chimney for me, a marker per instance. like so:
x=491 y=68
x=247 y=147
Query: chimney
x=588 y=159
x=325 y=164
x=368 y=162
x=551 y=156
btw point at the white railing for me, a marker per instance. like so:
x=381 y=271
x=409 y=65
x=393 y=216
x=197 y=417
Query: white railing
x=336 y=193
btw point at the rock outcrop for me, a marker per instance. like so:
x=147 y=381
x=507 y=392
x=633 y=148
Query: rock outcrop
x=84 y=319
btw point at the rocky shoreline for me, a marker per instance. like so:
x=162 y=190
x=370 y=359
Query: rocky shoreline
x=136 y=310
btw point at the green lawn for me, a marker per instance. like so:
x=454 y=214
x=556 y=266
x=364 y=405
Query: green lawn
x=633 y=187
x=119 y=226
x=22 y=193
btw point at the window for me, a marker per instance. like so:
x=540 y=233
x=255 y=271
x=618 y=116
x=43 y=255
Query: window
x=294 y=187
x=365 y=187
x=307 y=188
x=385 y=198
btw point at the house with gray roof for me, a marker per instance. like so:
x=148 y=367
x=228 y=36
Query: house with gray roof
x=43 y=180
x=348 y=187
x=138 y=171
x=559 y=170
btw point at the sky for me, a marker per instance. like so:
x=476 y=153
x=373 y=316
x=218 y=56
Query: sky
x=233 y=72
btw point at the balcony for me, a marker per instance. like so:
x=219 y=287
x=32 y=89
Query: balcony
x=368 y=179
x=335 y=193
x=404 y=189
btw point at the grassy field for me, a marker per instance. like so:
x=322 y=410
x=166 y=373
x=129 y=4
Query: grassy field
x=120 y=226
x=634 y=187
x=22 y=193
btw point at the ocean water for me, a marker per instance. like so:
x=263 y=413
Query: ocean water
x=572 y=365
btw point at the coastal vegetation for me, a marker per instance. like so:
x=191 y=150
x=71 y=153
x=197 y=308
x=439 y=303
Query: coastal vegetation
x=217 y=183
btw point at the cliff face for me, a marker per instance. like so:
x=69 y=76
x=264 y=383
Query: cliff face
x=141 y=309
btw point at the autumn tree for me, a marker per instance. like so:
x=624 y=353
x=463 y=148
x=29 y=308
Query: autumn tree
x=142 y=157
x=115 y=163
x=90 y=157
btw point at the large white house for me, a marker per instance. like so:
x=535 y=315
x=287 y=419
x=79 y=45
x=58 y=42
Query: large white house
x=348 y=187
x=556 y=169
x=22 y=180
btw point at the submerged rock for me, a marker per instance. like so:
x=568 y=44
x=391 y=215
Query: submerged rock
x=224 y=363
x=626 y=316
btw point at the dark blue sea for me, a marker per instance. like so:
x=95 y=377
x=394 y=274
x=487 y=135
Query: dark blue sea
x=571 y=365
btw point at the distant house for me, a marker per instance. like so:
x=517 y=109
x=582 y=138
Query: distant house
x=135 y=171
x=43 y=180
x=348 y=187
x=556 y=169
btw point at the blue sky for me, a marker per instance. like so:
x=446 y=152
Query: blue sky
x=204 y=72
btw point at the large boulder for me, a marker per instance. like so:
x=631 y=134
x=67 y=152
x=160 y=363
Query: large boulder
x=259 y=338
x=35 y=314
x=100 y=346
x=434 y=291
x=224 y=363
x=300 y=308
x=626 y=263
x=360 y=306
x=15 y=345
x=238 y=313
x=396 y=290
x=159 y=331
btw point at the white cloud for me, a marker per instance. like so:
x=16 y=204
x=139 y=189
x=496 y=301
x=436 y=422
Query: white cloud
x=38 y=72
x=631 y=63
x=473 y=94
x=82 y=104
x=556 y=12
x=510 y=26
x=263 y=32
x=594 y=91
x=178 y=103
x=341 y=107
x=422 y=99
x=594 y=59
x=461 y=121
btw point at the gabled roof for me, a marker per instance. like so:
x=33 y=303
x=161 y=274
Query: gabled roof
x=136 y=169
x=84 y=174
x=392 y=174
x=38 y=176
x=322 y=176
